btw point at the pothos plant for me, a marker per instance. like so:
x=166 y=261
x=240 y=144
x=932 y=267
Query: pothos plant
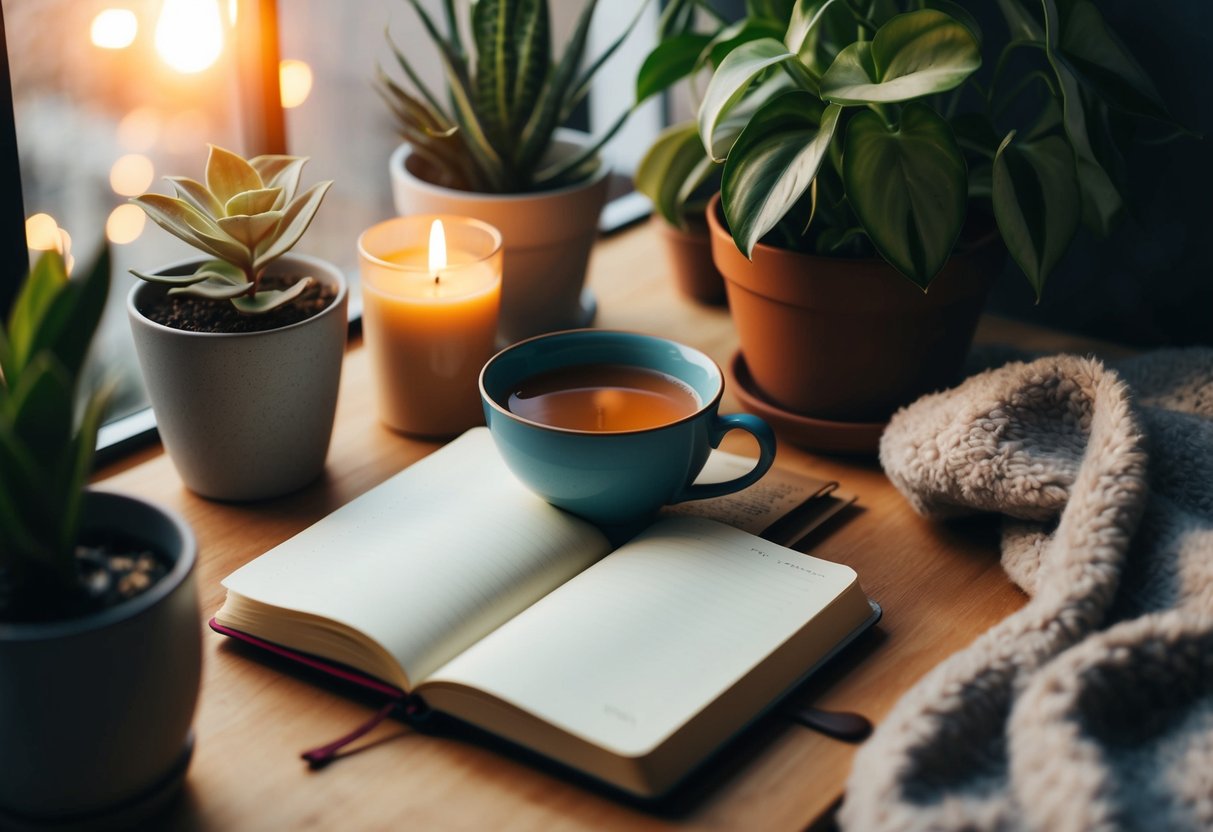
x=676 y=172
x=47 y=437
x=506 y=97
x=246 y=215
x=876 y=132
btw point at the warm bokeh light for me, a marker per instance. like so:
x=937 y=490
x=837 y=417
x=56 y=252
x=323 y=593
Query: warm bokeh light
x=131 y=174
x=189 y=34
x=294 y=82
x=233 y=6
x=139 y=129
x=114 y=29
x=125 y=224
x=41 y=232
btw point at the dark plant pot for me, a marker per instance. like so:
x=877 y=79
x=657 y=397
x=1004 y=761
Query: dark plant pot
x=851 y=339
x=688 y=254
x=95 y=712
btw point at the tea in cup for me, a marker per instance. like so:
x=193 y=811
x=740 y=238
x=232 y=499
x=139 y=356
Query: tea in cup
x=612 y=425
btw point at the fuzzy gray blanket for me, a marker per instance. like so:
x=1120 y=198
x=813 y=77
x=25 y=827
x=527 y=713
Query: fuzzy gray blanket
x=1092 y=707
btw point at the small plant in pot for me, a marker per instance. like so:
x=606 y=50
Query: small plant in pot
x=865 y=201
x=497 y=152
x=100 y=645
x=251 y=335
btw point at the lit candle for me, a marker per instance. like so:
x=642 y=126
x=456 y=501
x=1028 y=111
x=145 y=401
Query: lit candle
x=431 y=289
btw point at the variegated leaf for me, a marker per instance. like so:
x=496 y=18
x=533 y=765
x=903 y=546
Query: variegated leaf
x=196 y=194
x=253 y=202
x=213 y=290
x=251 y=231
x=271 y=298
x=228 y=174
x=295 y=220
x=182 y=220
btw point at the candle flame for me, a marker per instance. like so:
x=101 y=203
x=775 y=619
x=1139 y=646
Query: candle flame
x=437 y=249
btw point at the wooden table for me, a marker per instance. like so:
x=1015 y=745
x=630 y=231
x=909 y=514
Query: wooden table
x=939 y=585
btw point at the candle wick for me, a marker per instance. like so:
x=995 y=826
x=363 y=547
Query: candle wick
x=435 y=278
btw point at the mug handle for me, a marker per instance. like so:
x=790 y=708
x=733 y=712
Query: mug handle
x=752 y=425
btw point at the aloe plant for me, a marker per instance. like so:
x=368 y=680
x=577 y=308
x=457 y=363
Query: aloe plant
x=46 y=448
x=507 y=97
x=246 y=215
x=877 y=135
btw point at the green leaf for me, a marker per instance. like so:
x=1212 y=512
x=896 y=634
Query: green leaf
x=167 y=279
x=432 y=107
x=532 y=34
x=40 y=409
x=1022 y=23
x=1102 y=204
x=581 y=87
x=807 y=16
x=228 y=174
x=251 y=203
x=22 y=513
x=475 y=138
x=1105 y=66
x=78 y=464
x=496 y=64
x=46 y=281
x=731 y=37
x=537 y=132
x=666 y=167
x=197 y=195
x=914 y=54
x=907 y=184
x=1036 y=203
x=732 y=78
x=957 y=12
x=68 y=326
x=270 y=299
x=672 y=60
x=295 y=220
x=773 y=162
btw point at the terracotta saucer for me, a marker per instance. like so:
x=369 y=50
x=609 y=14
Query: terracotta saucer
x=804 y=431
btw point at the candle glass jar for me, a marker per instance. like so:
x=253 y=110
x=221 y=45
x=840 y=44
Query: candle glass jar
x=429 y=329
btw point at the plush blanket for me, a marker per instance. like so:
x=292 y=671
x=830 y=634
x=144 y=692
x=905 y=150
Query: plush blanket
x=1092 y=707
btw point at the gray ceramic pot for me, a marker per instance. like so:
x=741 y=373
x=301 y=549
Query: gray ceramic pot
x=95 y=712
x=546 y=238
x=245 y=416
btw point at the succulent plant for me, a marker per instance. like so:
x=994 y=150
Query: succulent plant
x=246 y=215
x=506 y=99
x=46 y=451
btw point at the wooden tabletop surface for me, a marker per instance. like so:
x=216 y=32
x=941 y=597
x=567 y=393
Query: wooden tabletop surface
x=939 y=586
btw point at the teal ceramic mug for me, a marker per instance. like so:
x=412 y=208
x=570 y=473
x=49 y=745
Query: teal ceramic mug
x=615 y=477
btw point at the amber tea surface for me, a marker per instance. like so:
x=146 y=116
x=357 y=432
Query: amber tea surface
x=603 y=397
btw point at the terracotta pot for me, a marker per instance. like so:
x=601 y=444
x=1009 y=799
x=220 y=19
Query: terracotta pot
x=850 y=339
x=95 y=711
x=689 y=257
x=245 y=416
x=547 y=238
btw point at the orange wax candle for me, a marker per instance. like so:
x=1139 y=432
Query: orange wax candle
x=431 y=289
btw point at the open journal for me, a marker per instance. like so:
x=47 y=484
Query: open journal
x=454 y=582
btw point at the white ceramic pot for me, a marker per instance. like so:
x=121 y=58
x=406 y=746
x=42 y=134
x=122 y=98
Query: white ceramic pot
x=245 y=416
x=95 y=711
x=547 y=239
